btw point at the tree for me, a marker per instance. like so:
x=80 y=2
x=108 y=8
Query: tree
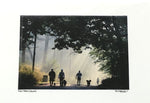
x=28 y=32
x=26 y=37
x=32 y=25
x=106 y=35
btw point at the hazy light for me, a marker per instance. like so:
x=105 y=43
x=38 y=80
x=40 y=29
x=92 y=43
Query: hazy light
x=69 y=61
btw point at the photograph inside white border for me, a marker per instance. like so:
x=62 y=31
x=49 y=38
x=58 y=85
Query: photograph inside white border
x=138 y=16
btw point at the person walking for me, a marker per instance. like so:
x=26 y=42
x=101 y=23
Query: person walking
x=51 y=77
x=61 y=77
x=78 y=75
x=97 y=81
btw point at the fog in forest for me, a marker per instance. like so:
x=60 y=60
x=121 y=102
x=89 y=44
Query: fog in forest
x=65 y=59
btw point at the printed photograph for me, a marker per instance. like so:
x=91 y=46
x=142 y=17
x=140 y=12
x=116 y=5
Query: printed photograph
x=73 y=52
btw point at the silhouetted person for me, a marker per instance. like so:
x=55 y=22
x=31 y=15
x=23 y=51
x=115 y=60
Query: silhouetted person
x=51 y=77
x=78 y=75
x=64 y=82
x=61 y=77
x=88 y=82
x=97 y=81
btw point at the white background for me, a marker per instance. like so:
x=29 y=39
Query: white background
x=138 y=13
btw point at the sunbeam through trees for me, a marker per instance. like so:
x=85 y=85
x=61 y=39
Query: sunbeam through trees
x=95 y=45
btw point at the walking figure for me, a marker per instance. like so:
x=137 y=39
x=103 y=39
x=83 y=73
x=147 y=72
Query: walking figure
x=51 y=77
x=61 y=77
x=97 y=81
x=78 y=75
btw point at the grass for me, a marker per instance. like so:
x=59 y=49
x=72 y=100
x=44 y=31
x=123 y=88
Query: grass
x=27 y=78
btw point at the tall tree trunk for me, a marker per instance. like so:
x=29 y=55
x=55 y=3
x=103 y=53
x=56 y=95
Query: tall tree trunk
x=34 y=51
x=30 y=52
x=23 y=55
x=45 y=53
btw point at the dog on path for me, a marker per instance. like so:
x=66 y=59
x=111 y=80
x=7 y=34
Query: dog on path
x=88 y=82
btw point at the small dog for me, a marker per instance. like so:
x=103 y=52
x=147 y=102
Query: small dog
x=88 y=82
x=64 y=83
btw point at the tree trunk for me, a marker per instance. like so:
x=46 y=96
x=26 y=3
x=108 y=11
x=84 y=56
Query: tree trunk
x=34 y=51
x=23 y=55
x=30 y=52
x=45 y=53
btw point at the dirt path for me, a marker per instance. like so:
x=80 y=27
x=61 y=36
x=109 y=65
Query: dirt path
x=69 y=86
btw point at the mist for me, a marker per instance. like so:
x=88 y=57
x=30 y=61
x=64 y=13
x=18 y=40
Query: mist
x=65 y=59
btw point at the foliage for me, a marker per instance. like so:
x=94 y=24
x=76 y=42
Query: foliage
x=26 y=36
x=106 y=36
x=27 y=78
x=113 y=83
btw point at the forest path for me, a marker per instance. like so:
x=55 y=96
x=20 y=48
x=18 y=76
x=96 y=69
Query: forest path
x=68 y=86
